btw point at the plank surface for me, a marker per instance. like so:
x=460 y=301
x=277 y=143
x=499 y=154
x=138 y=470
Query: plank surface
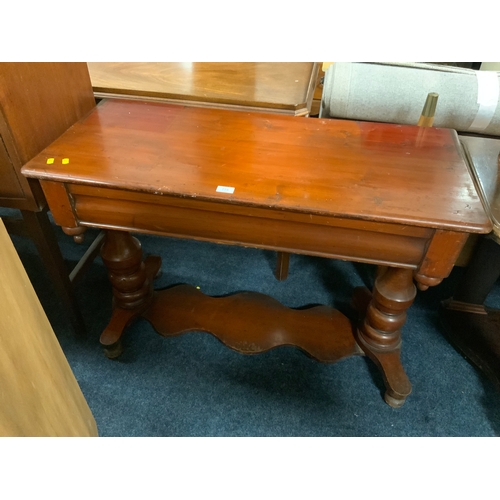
x=373 y=171
x=269 y=85
x=39 y=394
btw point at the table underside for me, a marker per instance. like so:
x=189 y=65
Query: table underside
x=251 y=322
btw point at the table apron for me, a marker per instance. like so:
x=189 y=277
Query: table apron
x=360 y=241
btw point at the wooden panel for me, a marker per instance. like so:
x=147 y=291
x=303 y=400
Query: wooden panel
x=442 y=253
x=40 y=395
x=258 y=323
x=41 y=100
x=61 y=204
x=11 y=188
x=250 y=230
x=38 y=102
x=380 y=172
x=74 y=190
x=276 y=86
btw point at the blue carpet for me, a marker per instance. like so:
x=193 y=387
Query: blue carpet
x=192 y=385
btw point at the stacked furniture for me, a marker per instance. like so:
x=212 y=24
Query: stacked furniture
x=38 y=102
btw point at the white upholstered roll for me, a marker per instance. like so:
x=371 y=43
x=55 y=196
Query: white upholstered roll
x=396 y=93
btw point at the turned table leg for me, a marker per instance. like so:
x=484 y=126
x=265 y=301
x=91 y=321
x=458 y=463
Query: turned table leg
x=132 y=282
x=380 y=333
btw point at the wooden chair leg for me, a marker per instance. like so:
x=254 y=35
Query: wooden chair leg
x=42 y=233
x=282 y=265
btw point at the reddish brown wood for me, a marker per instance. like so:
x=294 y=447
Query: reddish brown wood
x=122 y=255
x=443 y=251
x=398 y=196
x=354 y=169
x=38 y=102
x=132 y=282
x=380 y=333
x=273 y=87
x=252 y=322
x=292 y=232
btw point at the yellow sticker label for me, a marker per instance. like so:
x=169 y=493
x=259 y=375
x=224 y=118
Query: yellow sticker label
x=65 y=161
x=50 y=161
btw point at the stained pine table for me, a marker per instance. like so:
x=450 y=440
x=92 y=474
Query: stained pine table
x=400 y=197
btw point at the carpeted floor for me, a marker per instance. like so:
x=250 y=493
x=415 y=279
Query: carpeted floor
x=192 y=385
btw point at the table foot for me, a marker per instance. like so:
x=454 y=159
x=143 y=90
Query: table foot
x=393 y=402
x=252 y=322
x=379 y=334
x=397 y=384
x=120 y=319
x=114 y=351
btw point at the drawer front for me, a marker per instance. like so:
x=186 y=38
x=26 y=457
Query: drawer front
x=258 y=227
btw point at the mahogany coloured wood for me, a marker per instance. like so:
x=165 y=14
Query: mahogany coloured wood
x=38 y=102
x=356 y=170
x=276 y=87
x=397 y=196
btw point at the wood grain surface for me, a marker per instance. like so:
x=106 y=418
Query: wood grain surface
x=39 y=394
x=38 y=102
x=277 y=86
x=260 y=323
x=372 y=171
x=484 y=157
x=398 y=196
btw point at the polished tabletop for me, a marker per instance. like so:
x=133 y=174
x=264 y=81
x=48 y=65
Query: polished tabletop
x=379 y=172
x=484 y=156
x=281 y=87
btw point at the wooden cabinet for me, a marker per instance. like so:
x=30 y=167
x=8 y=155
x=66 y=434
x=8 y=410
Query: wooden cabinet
x=38 y=102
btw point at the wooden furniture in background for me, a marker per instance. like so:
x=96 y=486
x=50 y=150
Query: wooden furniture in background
x=38 y=102
x=39 y=394
x=471 y=326
x=366 y=192
x=286 y=88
